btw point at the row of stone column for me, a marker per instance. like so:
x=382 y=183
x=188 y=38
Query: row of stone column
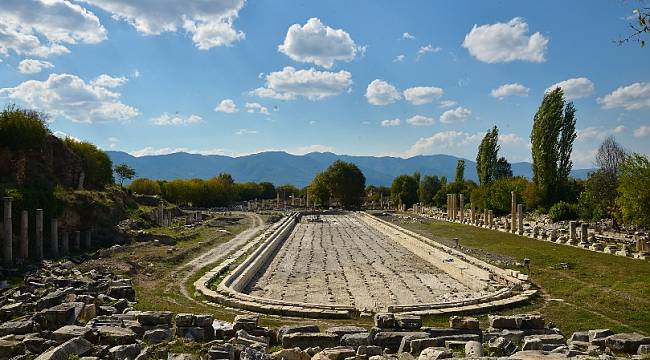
x=456 y=212
x=56 y=247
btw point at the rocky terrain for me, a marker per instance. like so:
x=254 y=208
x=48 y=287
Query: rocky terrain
x=63 y=313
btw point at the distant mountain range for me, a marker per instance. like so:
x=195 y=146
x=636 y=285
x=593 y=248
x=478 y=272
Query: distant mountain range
x=282 y=168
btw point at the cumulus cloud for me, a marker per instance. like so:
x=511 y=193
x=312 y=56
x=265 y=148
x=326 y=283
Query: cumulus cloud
x=443 y=142
x=456 y=115
x=630 y=97
x=505 y=90
x=109 y=81
x=426 y=50
x=172 y=120
x=289 y=84
x=408 y=36
x=421 y=95
x=256 y=108
x=597 y=132
x=211 y=23
x=575 y=88
x=379 y=92
x=399 y=58
x=419 y=120
x=70 y=97
x=505 y=42
x=447 y=103
x=226 y=106
x=511 y=138
x=391 y=122
x=31 y=66
x=642 y=131
x=246 y=132
x=45 y=27
x=318 y=44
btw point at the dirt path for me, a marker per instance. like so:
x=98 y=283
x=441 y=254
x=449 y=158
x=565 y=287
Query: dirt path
x=192 y=267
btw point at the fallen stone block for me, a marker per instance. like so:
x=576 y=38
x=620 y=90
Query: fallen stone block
x=77 y=346
x=385 y=320
x=291 y=329
x=532 y=343
x=434 y=353
x=502 y=347
x=68 y=332
x=307 y=340
x=335 y=353
x=17 y=327
x=156 y=336
x=370 y=350
x=59 y=315
x=195 y=333
x=113 y=335
x=122 y=292
x=153 y=318
x=408 y=322
x=356 y=339
x=463 y=323
x=290 y=354
x=245 y=322
x=343 y=330
x=405 y=344
x=473 y=349
x=204 y=320
x=184 y=320
x=626 y=342
x=393 y=339
x=9 y=348
x=124 y=352
x=252 y=354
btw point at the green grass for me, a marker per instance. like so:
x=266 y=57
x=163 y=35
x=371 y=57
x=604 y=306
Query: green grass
x=595 y=291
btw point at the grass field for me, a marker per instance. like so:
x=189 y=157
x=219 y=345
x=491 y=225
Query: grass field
x=580 y=289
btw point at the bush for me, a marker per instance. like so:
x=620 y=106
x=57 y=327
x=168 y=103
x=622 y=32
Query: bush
x=498 y=194
x=634 y=197
x=145 y=186
x=97 y=166
x=22 y=129
x=563 y=211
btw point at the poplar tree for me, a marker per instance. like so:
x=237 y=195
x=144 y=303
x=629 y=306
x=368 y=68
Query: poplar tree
x=552 y=139
x=460 y=172
x=486 y=159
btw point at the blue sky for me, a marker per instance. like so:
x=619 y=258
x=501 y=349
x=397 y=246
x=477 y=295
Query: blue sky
x=352 y=77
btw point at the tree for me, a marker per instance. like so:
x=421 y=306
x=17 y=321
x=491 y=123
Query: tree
x=318 y=190
x=552 y=139
x=97 y=166
x=268 y=190
x=503 y=169
x=124 y=172
x=460 y=171
x=634 y=197
x=486 y=158
x=640 y=27
x=347 y=184
x=404 y=190
x=145 y=186
x=429 y=186
x=22 y=129
x=609 y=156
x=287 y=190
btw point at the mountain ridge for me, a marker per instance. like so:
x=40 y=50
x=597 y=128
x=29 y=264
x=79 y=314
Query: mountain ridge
x=280 y=167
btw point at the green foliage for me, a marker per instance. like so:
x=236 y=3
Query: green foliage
x=145 y=186
x=346 y=184
x=429 y=187
x=216 y=192
x=499 y=193
x=486 y=158
x=287 y=190
x=634 y=196
x=374 y=193
x=319 y=192
x=460 y=171
x=563 y=211
x=404 y=190
x=268 y=190
x=503 y=168
x=22 y=129
x=124 y=172
x=552 y=139
x=97 y=166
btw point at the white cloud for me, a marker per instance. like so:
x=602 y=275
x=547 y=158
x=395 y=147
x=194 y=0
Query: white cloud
x=318 y=44
x=408 y=36
x=443 y=142
x=302 y=150
x=419 y=120
x=112 y=142
x=642 y=131
x=511 y=138
x=108 y=81
x=171 y=120
x=226 y=106
x=505 y=42
x=426 y=50
x=289 y=83
x=597 y=132
x=44 y=27
x=256 y=108
x=391 y=122
x=631 y=97
x=149 y=151
x=447 y=103
x=63 y=136
x=455 y=115
x=583 y=158
x=505 y=90
x=399 y=58
x=31 y=66
x=575 y=88
x=379 y=92
x=209 y=22
x=246 y=132
x=68 y=96
x=421 y=95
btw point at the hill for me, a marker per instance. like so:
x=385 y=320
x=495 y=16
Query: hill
x=281 y=168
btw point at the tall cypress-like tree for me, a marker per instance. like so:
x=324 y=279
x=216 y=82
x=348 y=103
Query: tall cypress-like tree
x=552 y=139
x=460 y=172
x=486 y=159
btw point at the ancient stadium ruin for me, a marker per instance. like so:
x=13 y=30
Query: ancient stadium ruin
x=342 y=265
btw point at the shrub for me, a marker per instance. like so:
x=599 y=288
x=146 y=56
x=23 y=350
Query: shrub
x=22 y=129
x=145 y=186
x=634 y=197
x=563 y=211
x=97 y=166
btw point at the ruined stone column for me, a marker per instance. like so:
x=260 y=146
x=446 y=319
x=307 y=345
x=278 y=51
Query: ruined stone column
x=472 y=214
x=7 y=243
x=584 y=232
x=513 y=211
x=454 y=209
x=520 y=219
x=54 y=238
x=24 y=234
x=77 y=241
x=65 y=243
x=572 y=230
x=448 y=207
x=38 y=244
x=462 y=207
x=490 y=219
x=88 y=239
